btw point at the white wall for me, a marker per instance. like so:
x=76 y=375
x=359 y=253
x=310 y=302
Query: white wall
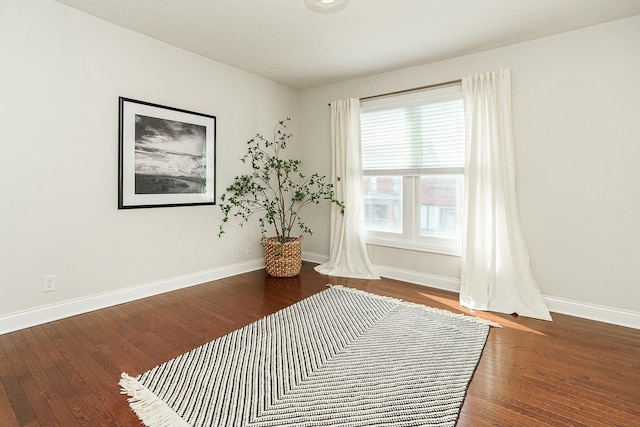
x=61 y=74
x=575 y=105
x=576 y=111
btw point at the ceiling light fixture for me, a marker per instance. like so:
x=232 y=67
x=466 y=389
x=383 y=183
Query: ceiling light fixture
x=326 y=6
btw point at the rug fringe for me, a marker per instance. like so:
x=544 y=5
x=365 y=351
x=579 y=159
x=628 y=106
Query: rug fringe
x=361 y=292
x=447 y=313
x=149 y=408
x=460 y=316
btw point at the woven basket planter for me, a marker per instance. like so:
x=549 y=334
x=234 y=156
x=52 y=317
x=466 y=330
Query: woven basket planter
x=283 y=260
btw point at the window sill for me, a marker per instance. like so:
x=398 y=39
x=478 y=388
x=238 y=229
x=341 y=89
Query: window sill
x=412 y=246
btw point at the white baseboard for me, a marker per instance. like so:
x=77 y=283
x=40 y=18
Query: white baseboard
x=424 y=279
x=314 y=257
x=580 y=309
x=49 y=313
x=414 y=277
x=600 y=313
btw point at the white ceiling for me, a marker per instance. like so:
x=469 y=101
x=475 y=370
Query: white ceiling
x=284 y=41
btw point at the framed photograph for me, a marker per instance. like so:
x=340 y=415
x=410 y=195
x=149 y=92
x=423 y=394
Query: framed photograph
x=167 y=156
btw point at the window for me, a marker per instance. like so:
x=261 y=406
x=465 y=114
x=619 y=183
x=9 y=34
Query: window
x=413 y=161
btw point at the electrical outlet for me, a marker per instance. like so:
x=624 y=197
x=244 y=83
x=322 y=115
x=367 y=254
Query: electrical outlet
x=49 y=283
x=249 y=248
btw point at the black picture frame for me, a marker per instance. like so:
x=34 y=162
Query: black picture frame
x=167 y=156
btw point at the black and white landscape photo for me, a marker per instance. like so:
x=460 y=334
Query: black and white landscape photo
x=170 y=156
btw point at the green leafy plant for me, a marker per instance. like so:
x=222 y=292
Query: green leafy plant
x=276 y=189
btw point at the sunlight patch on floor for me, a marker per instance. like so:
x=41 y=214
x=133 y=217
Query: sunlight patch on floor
x=454 y=304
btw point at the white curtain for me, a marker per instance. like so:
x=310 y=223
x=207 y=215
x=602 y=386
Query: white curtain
x=496 y=274
x=347 y=254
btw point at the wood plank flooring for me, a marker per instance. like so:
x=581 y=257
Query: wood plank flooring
x=570 y=372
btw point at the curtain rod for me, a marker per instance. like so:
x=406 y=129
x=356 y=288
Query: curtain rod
x=398 y=92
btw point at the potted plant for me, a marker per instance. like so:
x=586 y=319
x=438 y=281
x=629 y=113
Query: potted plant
x=276 y=190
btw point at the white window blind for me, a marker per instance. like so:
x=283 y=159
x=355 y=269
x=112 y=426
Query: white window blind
x=416 y=133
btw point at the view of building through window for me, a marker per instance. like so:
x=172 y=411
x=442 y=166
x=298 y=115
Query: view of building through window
x=440 y=196
x=383 y=203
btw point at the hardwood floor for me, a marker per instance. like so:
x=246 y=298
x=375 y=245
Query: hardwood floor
x=532 y=373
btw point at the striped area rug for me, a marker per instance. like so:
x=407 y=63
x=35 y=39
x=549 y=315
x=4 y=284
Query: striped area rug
x=342 y=357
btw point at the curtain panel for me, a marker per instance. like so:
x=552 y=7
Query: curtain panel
x=348 y=255
x=496 y=273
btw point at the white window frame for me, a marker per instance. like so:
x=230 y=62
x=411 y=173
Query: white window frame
x=410 y=238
